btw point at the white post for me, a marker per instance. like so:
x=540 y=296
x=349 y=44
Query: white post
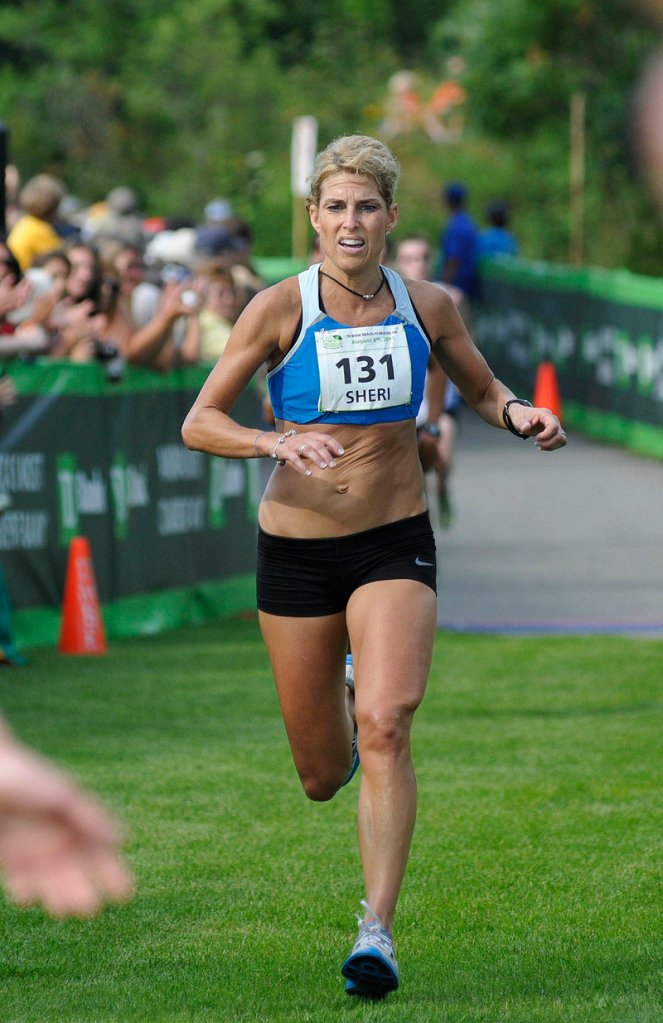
x=302 y=158
x=577 y=178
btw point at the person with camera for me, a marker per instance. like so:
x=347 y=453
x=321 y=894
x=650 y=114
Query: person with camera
x=158 y=344
x=207 y=332
x=21 y=333
x=80 y=321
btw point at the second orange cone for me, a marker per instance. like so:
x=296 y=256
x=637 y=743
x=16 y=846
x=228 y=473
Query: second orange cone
x=81 y=628
x=546 y=389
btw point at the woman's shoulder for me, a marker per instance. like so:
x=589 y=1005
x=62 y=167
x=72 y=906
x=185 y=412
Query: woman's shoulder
x=282 y=296
x=435 y=306
x=428 y=293
x=274 y=311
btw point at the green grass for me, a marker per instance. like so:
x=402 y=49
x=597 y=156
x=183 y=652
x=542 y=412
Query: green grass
x=534 y=887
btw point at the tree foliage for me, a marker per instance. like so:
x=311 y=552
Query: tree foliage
x=185 y=101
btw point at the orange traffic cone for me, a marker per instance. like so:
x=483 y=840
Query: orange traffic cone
x=81 y=627
x=546 y=389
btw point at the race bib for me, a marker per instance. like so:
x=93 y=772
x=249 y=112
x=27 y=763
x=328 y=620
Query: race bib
x=363 y=368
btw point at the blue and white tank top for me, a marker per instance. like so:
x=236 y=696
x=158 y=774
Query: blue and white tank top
x=360 y=375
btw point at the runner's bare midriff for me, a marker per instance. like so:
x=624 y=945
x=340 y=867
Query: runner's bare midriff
x=376 y=481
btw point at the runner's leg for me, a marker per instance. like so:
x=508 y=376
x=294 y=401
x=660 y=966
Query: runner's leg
x=391 y=626
x=308 y=663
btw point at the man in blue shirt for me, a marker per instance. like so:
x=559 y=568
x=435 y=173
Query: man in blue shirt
x=459 y=240
x=497 y=239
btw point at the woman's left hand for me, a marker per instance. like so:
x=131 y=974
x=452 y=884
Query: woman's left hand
x=544 y=426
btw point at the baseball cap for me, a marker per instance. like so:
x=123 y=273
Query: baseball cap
x=212 y=241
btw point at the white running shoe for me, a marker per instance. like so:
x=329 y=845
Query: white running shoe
x=371 y=969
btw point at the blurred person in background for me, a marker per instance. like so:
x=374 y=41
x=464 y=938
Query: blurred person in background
x=33 y=232
x=86 y=323
x=497 y=239
x=85 y=278
x=68 y=220
x=138 y=296
x=18 y=337
x=48 y=278
x=209 y=328
x=215 y=246
x=119 y=217
x=437 y=422
x=78 y=319
x=248 y=281
x=158 y=344
x=459 y=242
x=58 y=267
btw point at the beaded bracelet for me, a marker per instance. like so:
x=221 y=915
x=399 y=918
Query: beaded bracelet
x=282 y=439
x=507 y=418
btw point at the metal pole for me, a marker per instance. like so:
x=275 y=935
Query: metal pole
x=4 y=149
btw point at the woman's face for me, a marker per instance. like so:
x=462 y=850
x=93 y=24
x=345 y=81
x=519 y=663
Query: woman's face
x=82 y=274
x=413 y=259
x=352 y=219
x=221 y=300
x=130 y=269
x=58 y=270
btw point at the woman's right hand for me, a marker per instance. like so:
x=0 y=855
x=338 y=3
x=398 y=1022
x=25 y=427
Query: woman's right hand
x=301 y=450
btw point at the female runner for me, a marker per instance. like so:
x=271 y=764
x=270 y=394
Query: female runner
x=346 y=556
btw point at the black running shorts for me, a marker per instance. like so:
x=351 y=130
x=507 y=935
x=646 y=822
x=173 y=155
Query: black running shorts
x=302 y=578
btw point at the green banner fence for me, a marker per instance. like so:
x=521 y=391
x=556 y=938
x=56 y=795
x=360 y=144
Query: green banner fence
x=602 y=330
x=172 y=531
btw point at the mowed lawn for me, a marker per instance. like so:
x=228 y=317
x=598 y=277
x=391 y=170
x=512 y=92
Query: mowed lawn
x=534 y=888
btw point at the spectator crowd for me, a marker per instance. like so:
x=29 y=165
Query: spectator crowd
x=107 y=283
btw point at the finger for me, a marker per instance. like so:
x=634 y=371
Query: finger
x=548 y=441
x=67 y=887
x=335 y=448
x=552 y=445
x=317 y=453
x=543 y=421
x=323 y=458
x=114 y=879
x=73 y=881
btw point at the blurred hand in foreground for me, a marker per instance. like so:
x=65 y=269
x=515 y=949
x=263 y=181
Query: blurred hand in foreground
x=59 y=848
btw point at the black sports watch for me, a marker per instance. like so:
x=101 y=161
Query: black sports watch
x=432 y=429
x=507 y=418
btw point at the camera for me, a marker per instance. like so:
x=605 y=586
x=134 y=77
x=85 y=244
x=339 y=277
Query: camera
x=189 y=298
x=108 y=354
x=174 y=273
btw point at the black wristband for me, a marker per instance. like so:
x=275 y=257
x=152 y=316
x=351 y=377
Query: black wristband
x=507 y=418
x=432 y=429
